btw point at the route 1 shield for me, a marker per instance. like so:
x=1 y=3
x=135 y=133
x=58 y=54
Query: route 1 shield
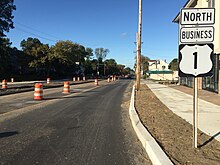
x=195 y=60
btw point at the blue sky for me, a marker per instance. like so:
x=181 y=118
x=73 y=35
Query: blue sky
x=109 y=24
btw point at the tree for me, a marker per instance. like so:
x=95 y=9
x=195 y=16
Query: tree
x=5 y=62
x=65 y=54
x=101 y=54
x=127 y=71
x=6 y=9
x=111 y=66
x=145 y=63
x=89 y=53
x=120 y=69
x=173 y=64
x=37 y=55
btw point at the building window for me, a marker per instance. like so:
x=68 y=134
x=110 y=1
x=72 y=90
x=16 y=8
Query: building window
x=211 y=3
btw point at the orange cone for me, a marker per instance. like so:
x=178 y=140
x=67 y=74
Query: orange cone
x=38 y=91
x=96 y=82
x=66 y=87
x=48 y=80
x=4 y=84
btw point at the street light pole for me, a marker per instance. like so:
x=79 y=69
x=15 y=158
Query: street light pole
x=138 y=67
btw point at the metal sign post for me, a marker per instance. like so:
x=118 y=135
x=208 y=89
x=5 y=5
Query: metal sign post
x=195 y=111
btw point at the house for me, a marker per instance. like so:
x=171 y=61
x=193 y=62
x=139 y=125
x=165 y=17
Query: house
x=208 y=83
x=158 y=70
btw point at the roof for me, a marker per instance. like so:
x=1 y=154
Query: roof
x=152 y=60
x=189 y=3
x=160 y=71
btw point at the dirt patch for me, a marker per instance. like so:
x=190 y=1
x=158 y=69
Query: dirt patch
x=173 y=133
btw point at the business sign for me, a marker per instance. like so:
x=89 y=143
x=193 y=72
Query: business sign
x=199 y=34
x=196 y=60
x=197 y=16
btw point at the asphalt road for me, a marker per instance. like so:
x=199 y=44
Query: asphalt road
x=89 y=127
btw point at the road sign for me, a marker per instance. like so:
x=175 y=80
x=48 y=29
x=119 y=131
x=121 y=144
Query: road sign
x=197 y=16
x=195 y=60
x=200 y=34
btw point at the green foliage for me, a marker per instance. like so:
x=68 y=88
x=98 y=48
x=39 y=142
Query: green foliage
x=36 y=55
x=145 y=63
x=127 y=71
x=111 y=66
x=64 y=59
x=66 y=55
x=6 y=9
x=4 y=56
x=89 y=53
x=173 y=64
x=101 y=53
x=37 y=59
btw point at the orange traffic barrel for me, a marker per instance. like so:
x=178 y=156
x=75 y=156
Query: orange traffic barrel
x=38 y=91
x=96 y=82
x=66 y=87
x=48 y=80
x=4 y=84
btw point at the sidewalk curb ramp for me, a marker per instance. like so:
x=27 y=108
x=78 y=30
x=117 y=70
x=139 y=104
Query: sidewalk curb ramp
x=154 y=151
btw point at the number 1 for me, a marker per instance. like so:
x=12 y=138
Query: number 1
x=195 y=59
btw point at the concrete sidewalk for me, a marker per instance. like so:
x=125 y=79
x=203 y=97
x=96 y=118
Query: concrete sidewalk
x=182 y=105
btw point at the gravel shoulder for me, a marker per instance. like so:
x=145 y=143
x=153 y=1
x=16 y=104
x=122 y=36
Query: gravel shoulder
x=173 y=133
x=136 y=151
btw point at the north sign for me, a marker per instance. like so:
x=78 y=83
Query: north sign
x=197 y=16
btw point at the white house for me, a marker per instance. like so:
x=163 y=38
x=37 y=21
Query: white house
x=158 y=70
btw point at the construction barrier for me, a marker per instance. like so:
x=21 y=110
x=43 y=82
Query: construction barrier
x=38 y=91
x=74 y=78
x=78 y=79
x=66 y=87
x=48 y=80
x=4 y=84
x=108 y=80
x=96 y=82
x=84 y=78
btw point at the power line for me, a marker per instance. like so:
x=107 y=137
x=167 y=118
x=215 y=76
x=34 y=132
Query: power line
x=34 y=29
x=36 y=35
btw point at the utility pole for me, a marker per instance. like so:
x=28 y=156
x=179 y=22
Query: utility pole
x=138 y=67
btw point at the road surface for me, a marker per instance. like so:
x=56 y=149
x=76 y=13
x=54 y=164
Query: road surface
x=87 y=127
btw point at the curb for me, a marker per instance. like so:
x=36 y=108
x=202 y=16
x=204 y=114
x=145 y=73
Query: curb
x=154 y=151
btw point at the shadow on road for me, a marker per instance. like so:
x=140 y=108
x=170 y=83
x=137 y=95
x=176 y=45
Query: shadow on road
x=7 y=134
